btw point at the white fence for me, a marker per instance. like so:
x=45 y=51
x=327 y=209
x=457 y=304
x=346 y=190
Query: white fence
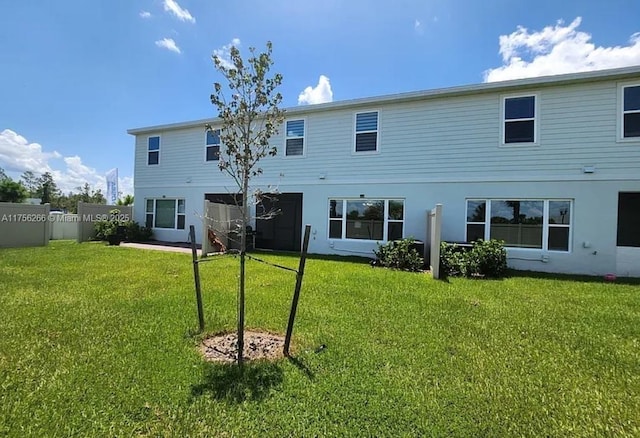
x=63 y=226
x=222 y=220
x=34 y=225
x=434 y=227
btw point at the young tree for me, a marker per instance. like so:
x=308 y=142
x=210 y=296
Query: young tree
x=3 y=175
x=30 y=181
x=249 y=117
x=47 y=189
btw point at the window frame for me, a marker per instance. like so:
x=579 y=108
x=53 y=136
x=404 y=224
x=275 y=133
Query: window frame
x=149 y=151
x=386 y=219
x=622 y=112
x=177 y=214
x=504 y=120
x=207 y=145
x=354 y=150
x=545 y=222
x=287 y=137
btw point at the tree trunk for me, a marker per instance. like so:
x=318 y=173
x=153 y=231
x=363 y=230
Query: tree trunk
x=243 y=250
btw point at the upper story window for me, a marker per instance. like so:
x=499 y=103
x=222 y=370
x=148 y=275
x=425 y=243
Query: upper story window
x=367 y=132
x=153 y=150
x=366 y=219
x=631 y=111
x=212 y=145
x=519 y=119
x=294 y=138
x=521 y=223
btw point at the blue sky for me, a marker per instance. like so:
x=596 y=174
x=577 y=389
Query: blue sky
x=76 y=74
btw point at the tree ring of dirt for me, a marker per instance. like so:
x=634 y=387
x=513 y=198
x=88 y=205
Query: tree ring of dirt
x=257 y=345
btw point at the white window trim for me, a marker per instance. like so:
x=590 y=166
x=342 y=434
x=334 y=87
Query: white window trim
x=147 y=151
x=545 y=222
x=620 y=119
x=536 y=121
x=206 y=146
x=355 y=133
x=304 y=139
x=385 y=230
x=176 y=214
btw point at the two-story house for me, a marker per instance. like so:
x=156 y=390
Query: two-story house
x=550 y=165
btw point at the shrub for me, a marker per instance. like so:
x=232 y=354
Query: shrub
x=484 y=259
x=104 y=229
x=399 y=254
x=452 y=260
x=488 y=258
x=134 y=232
x=129 y=231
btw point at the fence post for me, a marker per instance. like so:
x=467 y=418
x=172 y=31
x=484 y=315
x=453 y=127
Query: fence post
x=435 y=232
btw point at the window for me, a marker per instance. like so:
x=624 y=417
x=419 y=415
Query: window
x=537 y=224
x=520 y=119
x=153 y=150
x=212 y=145
x=367 y=132
x=165 y=213
x=294 y=139
x=631 y=111
x=366 y=219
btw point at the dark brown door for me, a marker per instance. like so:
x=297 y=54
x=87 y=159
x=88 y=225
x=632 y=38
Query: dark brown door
x=628 y=223
x=283 y=231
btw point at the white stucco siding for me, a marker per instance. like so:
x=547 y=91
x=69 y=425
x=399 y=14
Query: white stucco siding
x=593 y=224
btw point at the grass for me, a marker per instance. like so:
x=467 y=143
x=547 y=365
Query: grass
x=100 y=341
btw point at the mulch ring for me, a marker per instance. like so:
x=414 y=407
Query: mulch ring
x=257 y=345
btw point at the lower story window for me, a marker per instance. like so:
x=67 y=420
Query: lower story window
x=366 y=219
x=521 y=223
x=165 y=213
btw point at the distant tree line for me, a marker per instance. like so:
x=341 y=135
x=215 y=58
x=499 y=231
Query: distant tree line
x=43 y=187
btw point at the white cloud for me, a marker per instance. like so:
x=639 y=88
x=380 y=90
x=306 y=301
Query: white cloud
x=169 y=44
x=181 y=14
x=17 y=155
x=558 y=49
x=418 y=27
x=145 y=14
x=224 y=53
x=321 y=93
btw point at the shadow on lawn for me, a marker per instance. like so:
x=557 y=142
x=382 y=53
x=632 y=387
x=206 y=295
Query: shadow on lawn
x=225 y=382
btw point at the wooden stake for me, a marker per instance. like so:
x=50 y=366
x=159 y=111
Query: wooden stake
x=196 y=275
x=296 y=292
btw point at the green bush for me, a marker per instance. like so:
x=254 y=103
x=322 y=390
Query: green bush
x=452 y=260
x=134 y=232
x=130 y=231
x=399 y=254
x=484 y=259
x=487 y=258
x=104 y=229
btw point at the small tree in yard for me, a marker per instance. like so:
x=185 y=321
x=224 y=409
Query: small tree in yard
x=249 y=117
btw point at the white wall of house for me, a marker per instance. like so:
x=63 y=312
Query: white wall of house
x=436 y=148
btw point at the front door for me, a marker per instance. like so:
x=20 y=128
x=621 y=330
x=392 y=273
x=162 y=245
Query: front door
x=628 y=250
x=282 y=231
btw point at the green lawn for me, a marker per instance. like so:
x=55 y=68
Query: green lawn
x=100 y=341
